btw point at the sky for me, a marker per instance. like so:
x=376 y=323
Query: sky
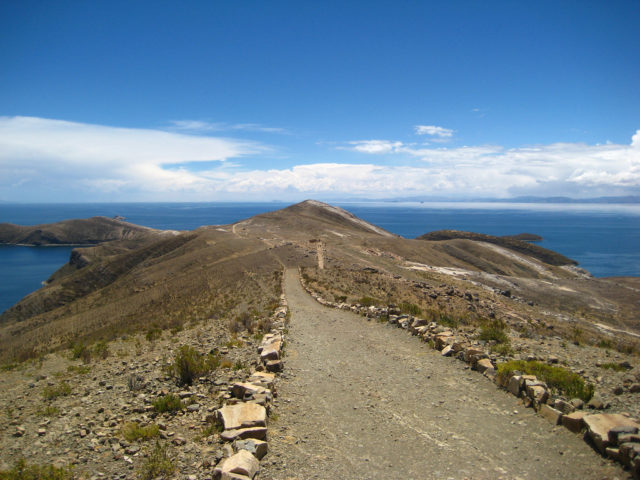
x=288 y=100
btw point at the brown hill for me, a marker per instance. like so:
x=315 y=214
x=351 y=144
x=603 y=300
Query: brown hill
x=89 y=231
x=233 y=270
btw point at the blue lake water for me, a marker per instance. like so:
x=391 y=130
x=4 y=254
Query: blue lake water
x=604 y=239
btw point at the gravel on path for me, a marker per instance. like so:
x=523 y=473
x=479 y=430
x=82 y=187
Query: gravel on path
x=363 y=400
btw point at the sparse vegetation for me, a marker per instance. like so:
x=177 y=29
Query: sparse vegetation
x=80 y=350
x=559 y=378
x=494 y=332
x=101 y=350
x=158 y=463
x=79 y=369
x=51 y=392
x=48 y=411
x=190 y=364
x=22 y=471
x=614 y=366
x=133 y=431
x=168 y=403
x=367 y=301
x=410 y=308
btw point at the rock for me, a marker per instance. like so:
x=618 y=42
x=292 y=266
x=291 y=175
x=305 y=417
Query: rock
x=574 y=421
x=578 y=403
x=628 y=452
x=596 y=402
x=599 y=425
x=194 y=407
x=618 y=390
x=20 y=431
x=551 y=414
x=483 y=365
x=615 y=432
x=515 y=385
x=258 y=448
x=241 y=389
x=536 y=391
x=270 y=347
x=42 y=432
x=242 y=415
x=242 y=463
x=564 y=406
x=259 y=433
x=274 y=366
x=634 y=388
x=447 y=351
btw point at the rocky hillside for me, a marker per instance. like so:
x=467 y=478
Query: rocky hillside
x=89 y=231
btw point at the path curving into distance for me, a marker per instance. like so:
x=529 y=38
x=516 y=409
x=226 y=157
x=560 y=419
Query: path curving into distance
x=363 y=400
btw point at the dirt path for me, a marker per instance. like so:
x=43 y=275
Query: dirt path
x=365 y=400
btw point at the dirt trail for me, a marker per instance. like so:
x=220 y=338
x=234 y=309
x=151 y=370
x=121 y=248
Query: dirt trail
x=365 y=400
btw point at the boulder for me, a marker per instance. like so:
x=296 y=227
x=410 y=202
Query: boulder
x=601 y=424
x=242 y=389
x=551 y=414
x=242 y=415
x=242 y=463
x=515 y=385
x=574 y=421
x=483 y=365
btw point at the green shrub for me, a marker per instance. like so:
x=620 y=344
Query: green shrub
x=190 y=364
x=22 y=471
x=157 y=464
x=80 y=350
x=410 y=308
x=168 y=403
x=133 y=431
x=52 y=392
x=564 y=381
x=495 y=332
x=367 y=301
x=101 y=350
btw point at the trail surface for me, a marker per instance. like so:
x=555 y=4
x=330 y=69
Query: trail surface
x=362 y=400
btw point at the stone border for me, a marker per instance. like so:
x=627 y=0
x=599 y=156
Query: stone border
x=615 y=436
x=247 y=407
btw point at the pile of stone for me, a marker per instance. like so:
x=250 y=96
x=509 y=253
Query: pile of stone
x=244 y=416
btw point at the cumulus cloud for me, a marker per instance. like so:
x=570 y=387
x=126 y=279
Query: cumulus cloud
x=44 y=160
x=433 y=131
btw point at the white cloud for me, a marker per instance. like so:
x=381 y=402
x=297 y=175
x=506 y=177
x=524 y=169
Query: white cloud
x=374 y=146
x=433 y=131
x=49 y=160
x=198 y=126
x=102 y=158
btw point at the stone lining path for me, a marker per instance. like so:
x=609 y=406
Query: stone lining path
x=360 y=399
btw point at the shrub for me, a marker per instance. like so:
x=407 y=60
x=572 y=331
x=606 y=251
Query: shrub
x=79 y=369
x=167 y=403
x=447 y=320
x=101 y=350
x=80 y=350
x=495 y=332
x=48 y=411
x=52 y=392
x=367 y=301
x=157 y=464
x=410 y=308
x=564 y=381
x=133 y=431
x=190 y=364
x=153 y=333
x=22 y=471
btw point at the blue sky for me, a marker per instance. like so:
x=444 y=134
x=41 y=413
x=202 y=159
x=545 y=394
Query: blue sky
x=253 y=100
